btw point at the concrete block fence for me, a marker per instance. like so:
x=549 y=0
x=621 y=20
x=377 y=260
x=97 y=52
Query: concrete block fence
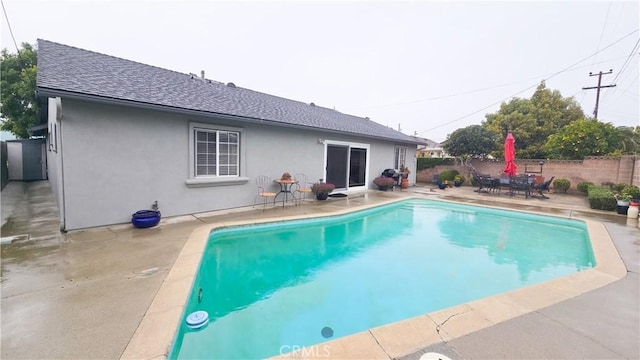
x=624 y=169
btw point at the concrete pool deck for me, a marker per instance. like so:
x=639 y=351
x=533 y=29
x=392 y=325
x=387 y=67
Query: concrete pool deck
x=88 y=291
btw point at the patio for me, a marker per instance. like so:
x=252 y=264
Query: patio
x=84 y=293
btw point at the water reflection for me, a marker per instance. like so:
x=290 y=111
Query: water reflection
x=248 y=265
x=531 y=244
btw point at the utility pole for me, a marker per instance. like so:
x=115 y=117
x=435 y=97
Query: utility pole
x=599 y=75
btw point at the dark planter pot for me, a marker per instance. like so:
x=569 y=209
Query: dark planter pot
x=145 y=218
x=622 y=210
x=457 y=183
x=442 y=186
x=322 y=196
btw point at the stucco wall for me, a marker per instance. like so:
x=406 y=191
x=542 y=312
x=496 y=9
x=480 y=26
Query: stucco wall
x=118 y=160
x=54 y=166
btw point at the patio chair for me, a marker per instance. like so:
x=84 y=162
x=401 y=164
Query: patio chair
x=264 y=183
x=544 y=186
x=302 y=186
x=520 y=184
x=485 y=182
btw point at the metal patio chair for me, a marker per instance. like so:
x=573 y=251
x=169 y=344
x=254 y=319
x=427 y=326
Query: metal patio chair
x=302 y=186
x=264 y=183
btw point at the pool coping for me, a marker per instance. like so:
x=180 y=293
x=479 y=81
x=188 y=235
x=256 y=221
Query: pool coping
x=154 y=336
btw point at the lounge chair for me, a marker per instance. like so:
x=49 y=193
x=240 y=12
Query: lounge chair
x=544 y=186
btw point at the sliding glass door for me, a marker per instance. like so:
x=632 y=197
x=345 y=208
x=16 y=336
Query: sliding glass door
x=337 y=158
x=346 y=164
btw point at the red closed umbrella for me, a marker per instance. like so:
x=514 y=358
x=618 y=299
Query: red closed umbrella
x=510 y=155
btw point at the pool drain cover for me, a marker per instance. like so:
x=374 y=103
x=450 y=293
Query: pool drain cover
x=327 y=332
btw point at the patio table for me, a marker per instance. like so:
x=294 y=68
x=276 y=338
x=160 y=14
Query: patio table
x=285 y=188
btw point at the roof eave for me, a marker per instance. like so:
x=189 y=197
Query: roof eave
x=50 y=92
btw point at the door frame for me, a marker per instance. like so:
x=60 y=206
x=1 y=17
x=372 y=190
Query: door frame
x=350 y=145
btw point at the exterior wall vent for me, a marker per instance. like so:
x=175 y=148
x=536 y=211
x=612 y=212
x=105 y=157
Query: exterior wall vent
x=231 y=85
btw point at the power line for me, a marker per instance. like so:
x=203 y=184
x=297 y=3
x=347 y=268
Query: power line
x=604 y=26
x=470 y=91
x=628 y=61
x=532 y=86
x=477 y=111
x=9 y=25
x=623 y=69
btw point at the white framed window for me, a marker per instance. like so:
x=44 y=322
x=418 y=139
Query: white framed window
x=215 y=155
x=400 y=156
x=217 y=152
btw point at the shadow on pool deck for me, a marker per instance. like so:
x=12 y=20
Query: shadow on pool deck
x=83 y=294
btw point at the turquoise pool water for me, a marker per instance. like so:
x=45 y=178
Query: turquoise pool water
x=271 y=288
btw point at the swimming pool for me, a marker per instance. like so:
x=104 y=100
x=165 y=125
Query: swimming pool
x=284 y=284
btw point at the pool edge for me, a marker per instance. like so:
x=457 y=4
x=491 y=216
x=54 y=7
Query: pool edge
x=154 y=336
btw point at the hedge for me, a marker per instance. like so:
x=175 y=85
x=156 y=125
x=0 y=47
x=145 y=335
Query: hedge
x=429 y=163
x=561 y=185
x=601 y=198
x=448 y=175
x=583 y=187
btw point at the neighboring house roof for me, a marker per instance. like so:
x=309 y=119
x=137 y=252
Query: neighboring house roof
x=66 y=70
x=427 y=143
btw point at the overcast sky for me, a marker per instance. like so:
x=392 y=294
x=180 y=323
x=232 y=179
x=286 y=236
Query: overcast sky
x=428 y=67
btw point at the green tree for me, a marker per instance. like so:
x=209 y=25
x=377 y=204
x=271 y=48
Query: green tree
x=532 y=121
x=18 y=103
x=586 y=137
x=471 y=141
x=630 y=139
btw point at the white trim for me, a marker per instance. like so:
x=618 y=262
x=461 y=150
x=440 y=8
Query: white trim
x=400 y=159
x=199 y=181
x=214 y=181
x=350 y=145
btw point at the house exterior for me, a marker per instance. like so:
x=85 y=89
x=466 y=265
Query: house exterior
x=122 y=135
x=430 y=149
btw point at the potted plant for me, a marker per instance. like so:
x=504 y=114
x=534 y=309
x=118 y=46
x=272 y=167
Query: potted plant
x=623 y=203
x=384 y=183
x=444 y=184
x=458 y=180
x=404 y=171
x=146 y=218
x=322 y=190
x=404 y=176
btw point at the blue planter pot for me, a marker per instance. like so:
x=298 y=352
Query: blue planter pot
x=145 y=218
x=322 y=196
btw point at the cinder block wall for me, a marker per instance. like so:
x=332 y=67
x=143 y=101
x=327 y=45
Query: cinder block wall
x=625 y=169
